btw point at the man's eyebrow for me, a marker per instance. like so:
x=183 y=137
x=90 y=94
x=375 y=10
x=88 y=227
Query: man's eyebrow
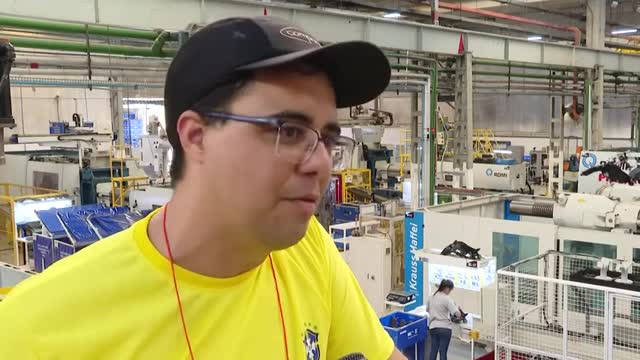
x=293 y=115
x=331 y=127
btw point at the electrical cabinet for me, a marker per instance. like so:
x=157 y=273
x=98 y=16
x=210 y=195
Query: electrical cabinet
x=370 y=260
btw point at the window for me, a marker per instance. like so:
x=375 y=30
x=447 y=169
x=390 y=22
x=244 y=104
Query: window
x=588 y=248
x=511 y=248
x=636 y=255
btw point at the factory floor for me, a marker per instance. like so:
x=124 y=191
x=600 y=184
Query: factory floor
x=459 y=350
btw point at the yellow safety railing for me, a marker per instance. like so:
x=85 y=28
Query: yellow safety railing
x=121 y=184
x=405 y=149
x=10 y=194
x=354 y=179
x=483 y=142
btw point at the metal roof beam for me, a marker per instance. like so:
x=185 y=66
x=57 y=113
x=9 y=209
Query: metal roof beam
x=336 y=25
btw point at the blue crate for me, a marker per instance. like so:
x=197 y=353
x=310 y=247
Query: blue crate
x=343 y=213
x=409 y=335
x=56 y=128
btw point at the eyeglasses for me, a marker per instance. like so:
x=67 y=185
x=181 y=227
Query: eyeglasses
x=296 y=142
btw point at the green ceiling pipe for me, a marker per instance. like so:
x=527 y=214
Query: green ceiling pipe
x=411 y=67
x=76 y=28
x=156 y=47
x=77 y=46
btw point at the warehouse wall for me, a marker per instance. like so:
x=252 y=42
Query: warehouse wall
x=527 y=114
x=34 y=108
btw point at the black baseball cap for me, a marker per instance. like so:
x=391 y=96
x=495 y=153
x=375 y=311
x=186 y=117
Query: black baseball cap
x=359 y=71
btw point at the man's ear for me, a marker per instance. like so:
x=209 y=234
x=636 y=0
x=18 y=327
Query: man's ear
x=191 y=128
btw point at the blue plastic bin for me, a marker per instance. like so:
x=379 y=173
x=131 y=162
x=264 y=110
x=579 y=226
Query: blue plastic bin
x=410 y=338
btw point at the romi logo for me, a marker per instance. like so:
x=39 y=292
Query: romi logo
x=296 y=34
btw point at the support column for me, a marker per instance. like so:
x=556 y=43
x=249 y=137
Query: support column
x=596 y=16
x=597 y=131
x=117 y=115
x=588 y=111
x=463 y=124
x=636 y=135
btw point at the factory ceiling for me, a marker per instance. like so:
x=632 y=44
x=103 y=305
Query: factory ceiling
x=621 y=14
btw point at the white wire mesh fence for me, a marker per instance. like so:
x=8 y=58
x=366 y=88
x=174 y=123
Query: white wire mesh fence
x=555 y=306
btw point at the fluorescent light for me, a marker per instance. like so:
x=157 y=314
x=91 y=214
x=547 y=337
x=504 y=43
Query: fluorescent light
x=624 y=31
x=534 y=38
x=498 y=151
x=393 y=15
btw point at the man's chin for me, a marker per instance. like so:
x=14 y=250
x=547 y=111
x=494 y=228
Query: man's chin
x=289 y=235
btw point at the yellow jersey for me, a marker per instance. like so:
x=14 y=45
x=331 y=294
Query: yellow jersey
x=116 y=300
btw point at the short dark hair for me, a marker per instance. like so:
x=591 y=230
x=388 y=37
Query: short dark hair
x=216 y=100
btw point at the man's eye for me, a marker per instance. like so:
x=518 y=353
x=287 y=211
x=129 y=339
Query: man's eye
x=329 y=141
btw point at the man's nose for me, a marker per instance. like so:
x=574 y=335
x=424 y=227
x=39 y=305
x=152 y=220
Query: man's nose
x=319 y=163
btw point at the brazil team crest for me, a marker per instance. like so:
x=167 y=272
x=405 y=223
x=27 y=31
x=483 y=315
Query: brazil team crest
x=311 y=345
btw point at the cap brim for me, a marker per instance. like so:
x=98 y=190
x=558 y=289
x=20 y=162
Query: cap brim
x=359 y=71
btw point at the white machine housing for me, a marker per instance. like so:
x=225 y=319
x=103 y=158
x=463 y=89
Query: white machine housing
x=491 y=176
x=595 y=212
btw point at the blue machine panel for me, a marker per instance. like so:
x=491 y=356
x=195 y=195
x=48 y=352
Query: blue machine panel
x=413 y=268
x=42 y=253
x=62 y=249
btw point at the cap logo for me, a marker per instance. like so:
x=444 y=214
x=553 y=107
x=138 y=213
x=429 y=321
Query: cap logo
x=296 y=34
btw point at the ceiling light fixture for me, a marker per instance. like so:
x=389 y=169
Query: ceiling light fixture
x=614 y=4
x=393 y=15
x=534 y=38
x=624 y=31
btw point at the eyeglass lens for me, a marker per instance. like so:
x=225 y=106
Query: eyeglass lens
x=296 y=143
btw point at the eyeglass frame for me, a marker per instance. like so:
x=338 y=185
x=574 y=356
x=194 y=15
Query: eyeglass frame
x=276 y=123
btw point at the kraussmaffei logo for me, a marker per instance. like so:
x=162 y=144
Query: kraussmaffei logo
x=297 y=34
x=589 y=160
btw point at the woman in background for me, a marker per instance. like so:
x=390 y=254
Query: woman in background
x=440 y=308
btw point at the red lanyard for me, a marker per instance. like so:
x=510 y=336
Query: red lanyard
x=175 y=286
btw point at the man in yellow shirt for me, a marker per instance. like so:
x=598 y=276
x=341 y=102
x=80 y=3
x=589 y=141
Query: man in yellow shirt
x=234 y=266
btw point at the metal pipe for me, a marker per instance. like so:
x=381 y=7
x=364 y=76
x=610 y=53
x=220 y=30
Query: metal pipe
x=535 y=208
x=519 y=19
x=97 y=62
x=524 y=75
x=85 y=72
x=78 y=28
x=397 y=74
x=541 y=93
x=77 y=46
x=514 y=64
x=435 y=12
x=411 y=67
x=28 y=81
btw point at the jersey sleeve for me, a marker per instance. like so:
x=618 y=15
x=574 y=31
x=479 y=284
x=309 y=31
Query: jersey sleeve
x=16 y=340
x=355 y=328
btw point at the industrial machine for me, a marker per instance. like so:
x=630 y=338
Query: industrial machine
x=512 y=228
x=538 y=169
x=76 y=166
x=368 y=141
x=373 y=248
x=489 y=176
x=568 y=306
x=599 y=168
x=584 y=211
